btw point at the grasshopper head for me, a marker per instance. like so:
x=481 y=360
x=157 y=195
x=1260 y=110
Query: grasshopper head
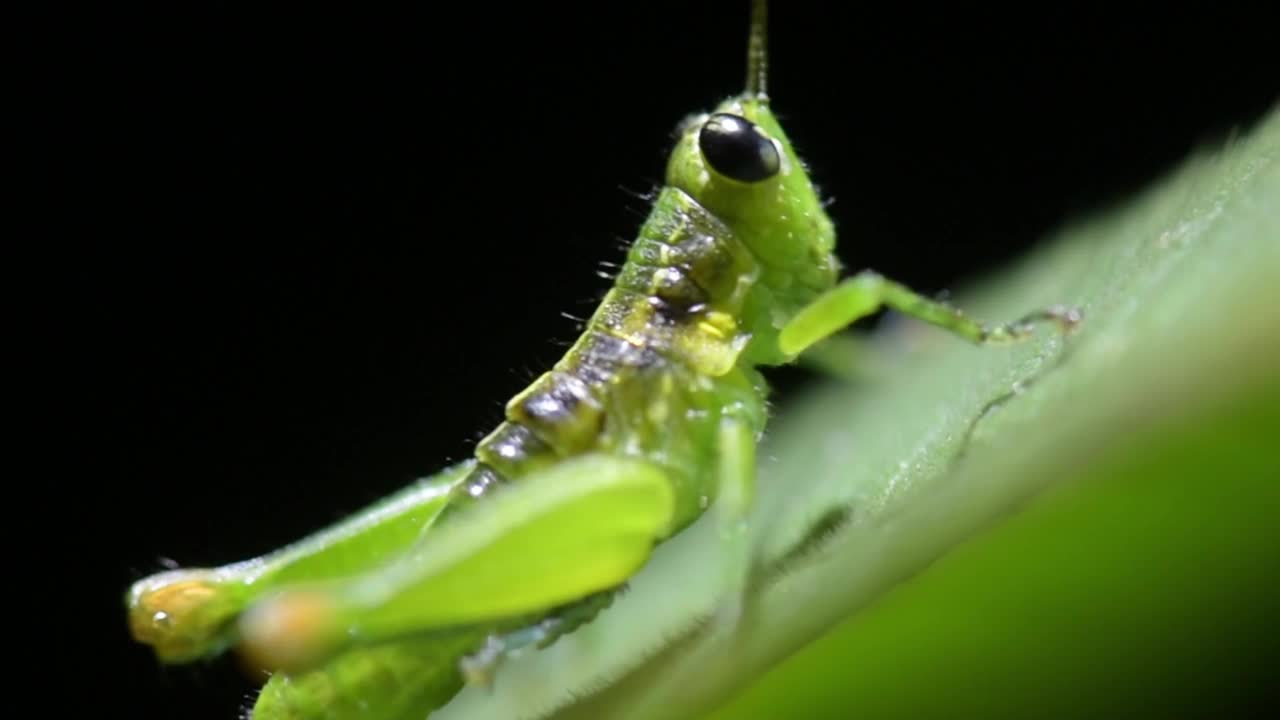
x=738 y=163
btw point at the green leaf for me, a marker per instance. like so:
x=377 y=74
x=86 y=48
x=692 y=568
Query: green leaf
x=1067 y=524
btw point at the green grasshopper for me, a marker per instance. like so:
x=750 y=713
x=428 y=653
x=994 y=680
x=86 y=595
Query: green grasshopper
x=649 y=419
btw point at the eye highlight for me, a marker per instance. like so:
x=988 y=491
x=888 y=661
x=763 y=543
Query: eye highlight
x=736 y=148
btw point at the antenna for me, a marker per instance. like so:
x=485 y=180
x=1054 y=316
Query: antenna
x=757 y=68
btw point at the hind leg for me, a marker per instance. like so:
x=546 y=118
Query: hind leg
x=562 y=534
x=190 y=613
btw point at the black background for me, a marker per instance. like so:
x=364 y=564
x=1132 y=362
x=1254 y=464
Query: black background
x=302 y=256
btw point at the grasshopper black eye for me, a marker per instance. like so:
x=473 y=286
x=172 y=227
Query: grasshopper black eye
x=737 y=149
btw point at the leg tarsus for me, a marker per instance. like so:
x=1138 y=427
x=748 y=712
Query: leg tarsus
x=1066 y=318
x=480 y=667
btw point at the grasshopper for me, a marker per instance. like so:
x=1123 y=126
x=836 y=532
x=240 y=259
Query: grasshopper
x=651 y=418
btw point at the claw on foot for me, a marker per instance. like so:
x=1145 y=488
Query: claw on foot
x=1066 y=318
x=480 y=667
